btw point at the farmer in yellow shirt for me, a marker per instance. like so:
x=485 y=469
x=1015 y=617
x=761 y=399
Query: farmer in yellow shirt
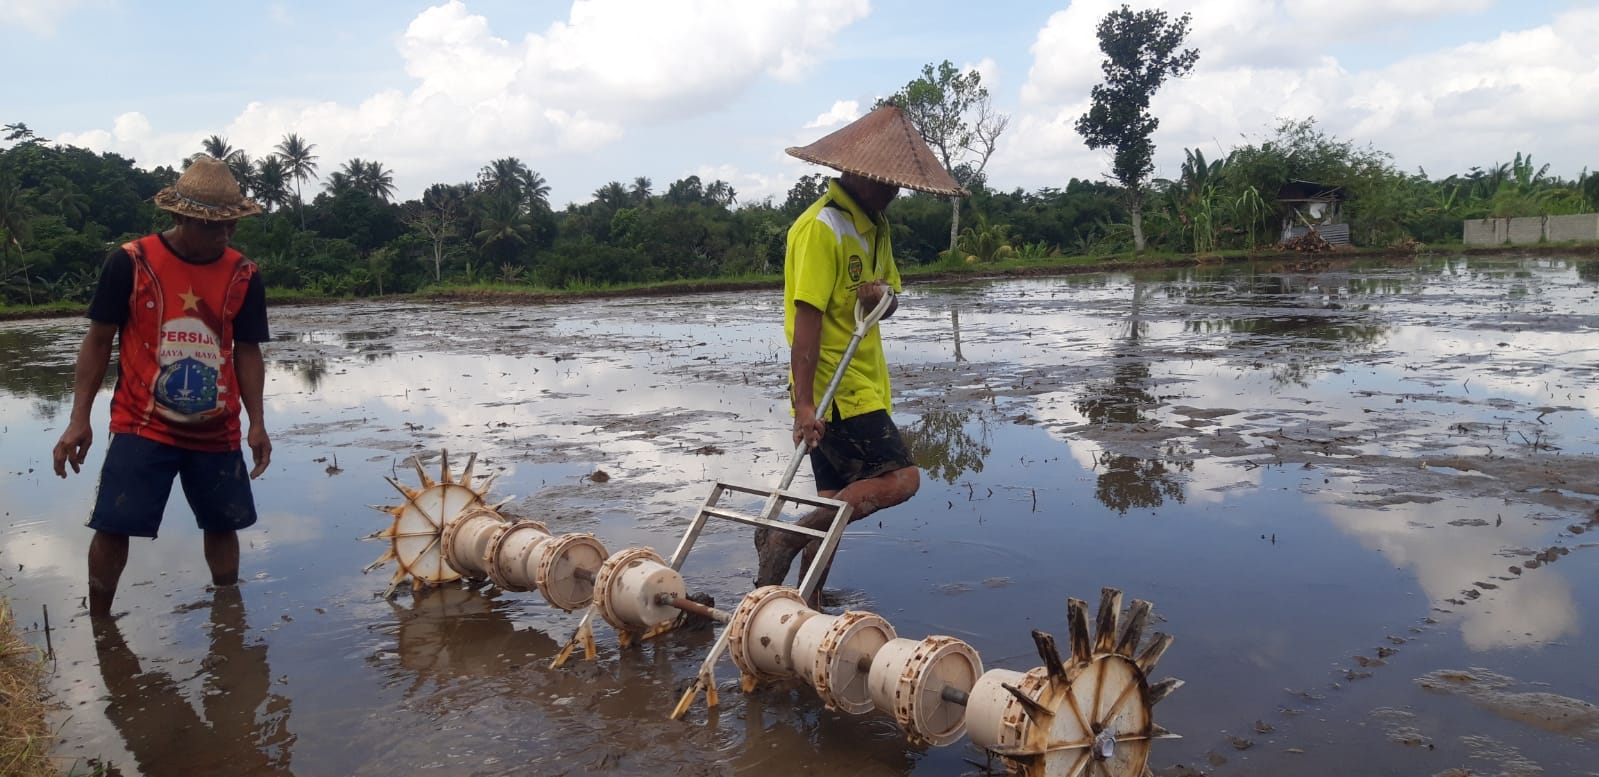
x=838 y=253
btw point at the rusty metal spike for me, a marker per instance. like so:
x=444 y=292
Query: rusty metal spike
x=385 y=509
x=488 y=480
x=388 y=555
x=1148 y=772
x=1151 y=656
x=1105 y=626
x=1077 y=623
x=1158 y=731
x=1033 y=709
x=398 y=486
x=503 y=502
x=1162 y=689
x=1133 y=632
x=444 y=466
x=466 y=473
x=1051 y=654
x=421 y=473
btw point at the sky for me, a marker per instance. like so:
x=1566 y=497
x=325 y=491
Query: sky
x=591 y=91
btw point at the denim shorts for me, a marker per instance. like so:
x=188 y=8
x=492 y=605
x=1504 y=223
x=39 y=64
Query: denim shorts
x=858 y=448
x=137 y=479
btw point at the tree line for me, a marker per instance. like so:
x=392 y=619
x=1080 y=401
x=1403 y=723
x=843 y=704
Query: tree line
x=344 y=234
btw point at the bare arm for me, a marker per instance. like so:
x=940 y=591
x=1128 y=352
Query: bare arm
x=802 y=359
x=94 y=358
x=250 y=368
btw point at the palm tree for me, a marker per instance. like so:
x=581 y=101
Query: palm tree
x=339 y=182
x=299 y=163
x=15 y=227
x=217 y=147
x=537 y=190
x=640 y=193
x=505 y=224
x=612 y=196
x=503 y=175
x=271 y=183
x=376 y=181
x=721 y=193
x=509 y=174
x=243 y=168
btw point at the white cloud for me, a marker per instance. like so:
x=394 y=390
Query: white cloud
x=842 y=111
x=1474 y=103
x=36 y=16
x=576 y=87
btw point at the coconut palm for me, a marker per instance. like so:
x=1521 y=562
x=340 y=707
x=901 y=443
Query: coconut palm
x=510 y=175
x=612 y=196
x=505 y=225
x=271 y=183
x=15 y=227
x=217 y=147
x=299 y=163
x=372 y=178
x=640 y=193
x=243 y=168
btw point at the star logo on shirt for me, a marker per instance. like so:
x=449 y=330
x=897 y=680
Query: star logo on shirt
x=191 y=301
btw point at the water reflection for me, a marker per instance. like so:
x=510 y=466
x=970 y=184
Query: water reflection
x=1125 y=482
x=452 y=630
x=29 y=371
x=943 y=448
x=955 y=324
x=241 y=727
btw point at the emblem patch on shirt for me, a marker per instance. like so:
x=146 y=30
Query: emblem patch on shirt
x=188 y=387
x=854 y=268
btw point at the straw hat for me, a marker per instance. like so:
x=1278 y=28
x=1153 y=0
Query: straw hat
x=206 y=191
x=884 y=146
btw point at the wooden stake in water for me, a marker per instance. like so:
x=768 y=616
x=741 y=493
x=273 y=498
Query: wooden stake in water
x=50 y=649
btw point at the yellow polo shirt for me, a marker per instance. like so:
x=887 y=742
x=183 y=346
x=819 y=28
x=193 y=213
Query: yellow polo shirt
x=833 y=248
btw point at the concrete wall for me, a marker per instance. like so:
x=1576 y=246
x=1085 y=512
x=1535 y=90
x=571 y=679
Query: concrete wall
x=1524 y=231
x=1584 y=226
x=1532 y=229
x=1484 y=232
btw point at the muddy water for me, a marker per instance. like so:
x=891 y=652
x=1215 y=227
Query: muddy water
x=1321 y=476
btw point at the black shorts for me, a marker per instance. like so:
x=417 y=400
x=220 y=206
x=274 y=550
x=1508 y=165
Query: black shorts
x=858 y=448
x=137 y=479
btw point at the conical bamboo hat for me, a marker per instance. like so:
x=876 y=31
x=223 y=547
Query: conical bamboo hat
x=884 y=146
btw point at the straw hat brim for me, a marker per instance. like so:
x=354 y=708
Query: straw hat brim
x=169 y=199
x=952 y=190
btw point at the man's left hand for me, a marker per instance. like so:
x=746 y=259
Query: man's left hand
x=871 y=293
x=260 y=450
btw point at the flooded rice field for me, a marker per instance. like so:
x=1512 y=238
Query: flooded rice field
x=1362 y=497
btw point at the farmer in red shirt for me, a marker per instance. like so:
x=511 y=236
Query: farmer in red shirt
x=189 y=314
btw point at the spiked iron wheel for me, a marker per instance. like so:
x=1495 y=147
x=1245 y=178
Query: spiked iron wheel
x=1090 y=715
x=416 y=536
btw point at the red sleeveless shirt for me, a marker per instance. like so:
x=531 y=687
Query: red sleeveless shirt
x=178 y=384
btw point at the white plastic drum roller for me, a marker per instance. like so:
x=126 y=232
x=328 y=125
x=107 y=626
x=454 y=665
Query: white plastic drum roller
x=559 y=562
x=629 y=587
x=468 y=538
x=992 y=711
x=511 y=557
x=914 y=682
x=1089 y=713
x=834 y=654
x=761 y=634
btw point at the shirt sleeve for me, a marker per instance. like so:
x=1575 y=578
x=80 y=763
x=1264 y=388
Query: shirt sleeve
x=112 y=292
x=250 y=323
x=815 y=264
